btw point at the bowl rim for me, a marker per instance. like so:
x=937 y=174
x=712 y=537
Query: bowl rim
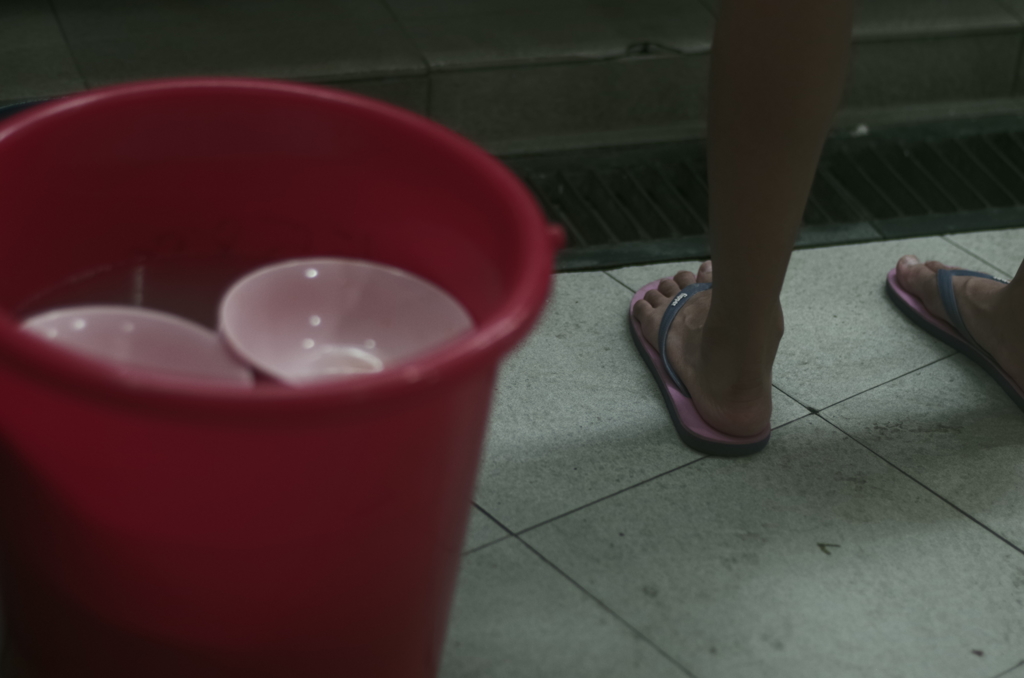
x=240 y=344
x=134 y=371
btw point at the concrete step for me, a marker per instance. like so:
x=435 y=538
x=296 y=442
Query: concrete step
x=514 y=75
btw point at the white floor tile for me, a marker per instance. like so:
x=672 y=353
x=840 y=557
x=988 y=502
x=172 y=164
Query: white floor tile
x=815 y=558
x=952 y=428
x=515 y=616
x=576 y=415
x=1003 y=249
x=843 y=335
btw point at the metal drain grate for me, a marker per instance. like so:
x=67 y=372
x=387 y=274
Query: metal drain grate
x=642 y=204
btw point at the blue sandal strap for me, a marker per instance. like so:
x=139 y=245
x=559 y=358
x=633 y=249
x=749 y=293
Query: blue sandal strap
x=673 y=309
x=945 y=277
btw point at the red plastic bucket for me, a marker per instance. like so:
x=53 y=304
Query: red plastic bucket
x=278 y=532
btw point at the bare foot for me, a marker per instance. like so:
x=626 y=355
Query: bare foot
x=736 y=402
x=992 y=311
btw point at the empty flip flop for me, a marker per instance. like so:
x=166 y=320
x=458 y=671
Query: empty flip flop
x=692 y=428
x=955 y=334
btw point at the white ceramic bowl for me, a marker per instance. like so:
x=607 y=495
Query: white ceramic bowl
x=313 y=319
x=143 y=343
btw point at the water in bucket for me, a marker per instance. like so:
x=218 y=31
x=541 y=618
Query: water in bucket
x=190 y=287
x=298 y=322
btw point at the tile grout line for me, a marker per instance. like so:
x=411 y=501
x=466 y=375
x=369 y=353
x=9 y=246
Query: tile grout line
x=608 y=609
x=887 y=381
x=640 y=483
x=976 y=256
x=608 y=496
x=508 y=532
x=511 y=533
x=810 y=410
x=959 y=510
x=619 y=281
x=67 y=44
x=476 y=548
x=1007 y=671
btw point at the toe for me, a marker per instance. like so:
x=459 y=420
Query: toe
x=704 y=272
x=906 y=261
x=642 y=310
x=668 y=287
x=654 y=298
x=919 y=280
x=913 y=276
x=906 y=270
x=684 y=279
x=937 y=265
x=649 y=318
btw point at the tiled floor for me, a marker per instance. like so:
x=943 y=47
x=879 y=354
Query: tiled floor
x=881 y=536
x=513 y=74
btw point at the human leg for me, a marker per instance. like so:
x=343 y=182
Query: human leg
x=776 y=78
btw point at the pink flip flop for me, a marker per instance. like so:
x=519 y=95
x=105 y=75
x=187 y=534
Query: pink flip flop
x=955 y=334
x=692 y=428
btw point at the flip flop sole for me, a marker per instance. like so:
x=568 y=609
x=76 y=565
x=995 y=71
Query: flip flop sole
x=913 y=308
x=694 y=431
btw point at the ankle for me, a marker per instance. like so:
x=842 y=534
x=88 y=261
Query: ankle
x=994 y=305
x=1012 y=296
x=737 y=371
x=749 y=344
x=759 y=321
x=1004 y=309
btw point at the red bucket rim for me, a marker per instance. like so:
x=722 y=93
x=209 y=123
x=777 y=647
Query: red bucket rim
x=480 y=349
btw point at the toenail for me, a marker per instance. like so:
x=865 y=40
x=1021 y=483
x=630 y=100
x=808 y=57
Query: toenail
x=911 y=260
